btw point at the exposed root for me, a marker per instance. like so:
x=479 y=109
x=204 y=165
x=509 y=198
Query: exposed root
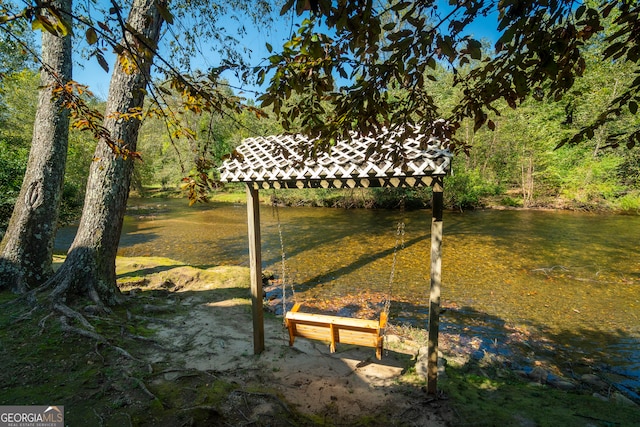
x=269 y=396
x=144 y=388
x=25 y=316
x=100 y=419
x=124 y=352
x=140 y=338
x=97 y=351
x=43 y=321
x=82 y=332
x=70 y=313
x=549 y=270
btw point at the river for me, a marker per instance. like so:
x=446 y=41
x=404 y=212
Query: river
x=573 y=278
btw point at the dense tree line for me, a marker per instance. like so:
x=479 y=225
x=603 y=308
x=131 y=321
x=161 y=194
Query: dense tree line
x=516 y=164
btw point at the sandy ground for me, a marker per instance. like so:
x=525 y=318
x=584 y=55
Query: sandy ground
x=209 y=328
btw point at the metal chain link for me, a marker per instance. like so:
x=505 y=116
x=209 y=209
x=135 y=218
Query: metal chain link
x=284 y=258
x=399 y=244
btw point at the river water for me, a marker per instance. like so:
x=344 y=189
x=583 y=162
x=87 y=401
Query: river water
x=573 y=278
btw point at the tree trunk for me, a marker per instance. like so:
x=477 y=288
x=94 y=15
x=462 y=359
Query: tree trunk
x=527 y=168
x=89 y=268
x=27 y=247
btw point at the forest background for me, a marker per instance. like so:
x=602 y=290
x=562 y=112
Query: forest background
x=517 y=164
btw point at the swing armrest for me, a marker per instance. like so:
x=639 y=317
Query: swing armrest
x=383 y=320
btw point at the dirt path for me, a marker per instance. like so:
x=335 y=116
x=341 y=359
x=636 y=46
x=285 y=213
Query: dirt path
x=209 y=329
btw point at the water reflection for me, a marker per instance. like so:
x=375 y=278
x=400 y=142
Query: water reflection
x=574 y=276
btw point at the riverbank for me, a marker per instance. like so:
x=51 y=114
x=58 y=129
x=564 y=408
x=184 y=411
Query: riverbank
x=179 y=352
x=416 y=198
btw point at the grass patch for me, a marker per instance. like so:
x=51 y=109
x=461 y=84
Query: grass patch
x=481 y=400
x=97 y=383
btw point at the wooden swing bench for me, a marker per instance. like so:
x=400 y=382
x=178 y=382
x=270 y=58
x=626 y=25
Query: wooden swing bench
x=336 y=329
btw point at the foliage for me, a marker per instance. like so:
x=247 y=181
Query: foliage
x=193 y=161
x=19 y=96
x=354 y=54
x=13 y=57
x=465 y=189
x=12 y=167
x=18 y=99
x=629 y=202
x=592 y=181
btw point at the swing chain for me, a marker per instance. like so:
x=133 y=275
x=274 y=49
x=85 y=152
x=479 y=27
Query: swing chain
x=399 y=244
x=284 y=258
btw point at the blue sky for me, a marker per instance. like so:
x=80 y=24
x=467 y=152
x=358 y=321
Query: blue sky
x=90 y=73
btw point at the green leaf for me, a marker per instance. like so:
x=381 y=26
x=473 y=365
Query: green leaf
x=475 y=49
x=633 y=107
x=400 y=6
x=274 y=59
x=164 y=12
x=399 y=35
x=269 y=47
x=103 y=62
x=615 y=48
x=446 y=46
x=91 y=36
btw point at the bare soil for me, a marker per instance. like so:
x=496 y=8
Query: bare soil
x=204 y=325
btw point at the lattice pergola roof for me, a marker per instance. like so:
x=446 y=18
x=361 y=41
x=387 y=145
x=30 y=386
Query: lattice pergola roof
x=275 y=162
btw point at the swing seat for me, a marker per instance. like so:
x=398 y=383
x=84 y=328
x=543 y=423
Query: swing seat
x=336 y=329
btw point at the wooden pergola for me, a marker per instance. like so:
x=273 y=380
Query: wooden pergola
x=275 y=162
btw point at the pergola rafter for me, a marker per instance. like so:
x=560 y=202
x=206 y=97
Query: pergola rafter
x=276 y=162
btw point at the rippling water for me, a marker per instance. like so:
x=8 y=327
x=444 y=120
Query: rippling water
x=574 y=276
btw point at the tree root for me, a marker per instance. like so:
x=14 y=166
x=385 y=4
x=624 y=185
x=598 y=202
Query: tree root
x=25 y=316
x=144 y=388
x=82 y=332
x=89 y=332
x=72 y=314
x=42 y=322
x=124 y=352
x=269 y=396
x=141 y=338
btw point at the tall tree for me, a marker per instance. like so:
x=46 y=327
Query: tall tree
x=89 y=268
x=27 y=247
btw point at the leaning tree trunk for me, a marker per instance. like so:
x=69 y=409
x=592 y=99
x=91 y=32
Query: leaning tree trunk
x=27 y=247
x=89 y=268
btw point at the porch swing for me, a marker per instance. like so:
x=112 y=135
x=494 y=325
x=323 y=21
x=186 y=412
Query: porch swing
x=338 y=329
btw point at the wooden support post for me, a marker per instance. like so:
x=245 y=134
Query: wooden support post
x=255 y=262
x=436 y=277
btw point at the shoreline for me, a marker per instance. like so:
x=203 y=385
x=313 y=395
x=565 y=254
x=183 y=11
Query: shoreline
x=485 y=203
